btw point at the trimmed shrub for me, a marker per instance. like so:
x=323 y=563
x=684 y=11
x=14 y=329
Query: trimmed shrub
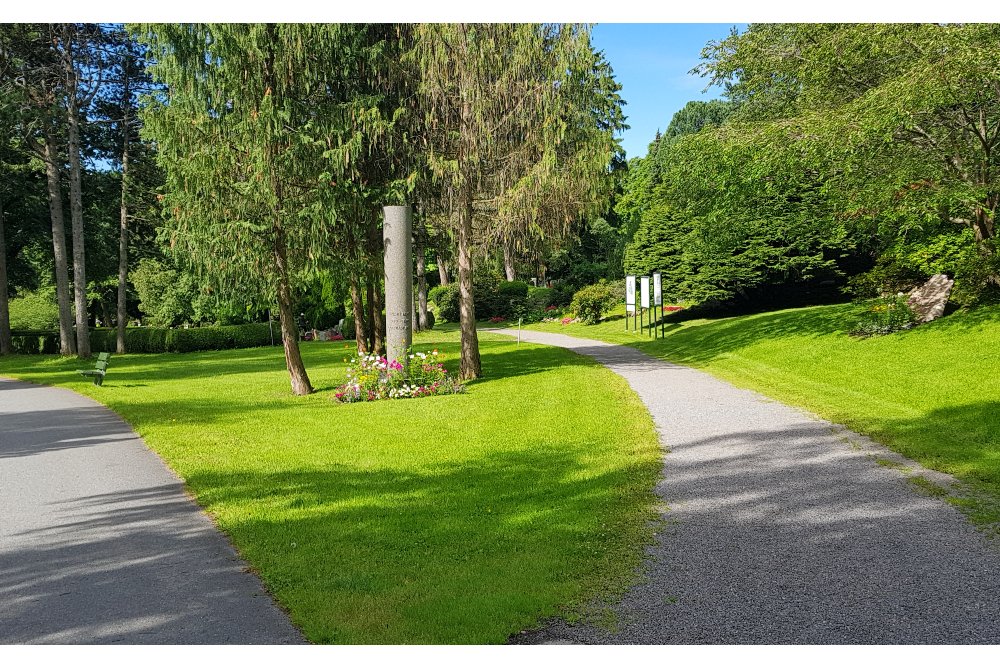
x=591 y=302
x=34 y=342
x=446 y=300
x=149 y=339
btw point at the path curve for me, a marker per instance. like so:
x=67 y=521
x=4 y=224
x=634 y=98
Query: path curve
x=100 y=544
x=782 y=528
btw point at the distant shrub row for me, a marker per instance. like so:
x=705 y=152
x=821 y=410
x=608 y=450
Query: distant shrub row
x=149 y=339
x=495 y=298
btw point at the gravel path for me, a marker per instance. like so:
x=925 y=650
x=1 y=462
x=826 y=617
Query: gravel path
x=782 y=528
x=99 y=543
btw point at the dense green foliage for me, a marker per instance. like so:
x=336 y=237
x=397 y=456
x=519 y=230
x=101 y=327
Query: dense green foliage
x=842 y=150
x=433 y=521
x=591 y=302
x=34 y=310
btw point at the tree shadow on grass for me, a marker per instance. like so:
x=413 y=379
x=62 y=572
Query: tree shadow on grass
x=502 y=362
x=467 y=552
x=961 y=439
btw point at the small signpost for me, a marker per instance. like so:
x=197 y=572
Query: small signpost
x=658 y=301
x=644 y=299
x=629 y=299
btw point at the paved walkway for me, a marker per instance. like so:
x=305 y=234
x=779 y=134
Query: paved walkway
x=779 y=530
x=99 y=543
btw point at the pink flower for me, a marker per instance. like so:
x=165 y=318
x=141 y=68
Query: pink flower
x=396 y=366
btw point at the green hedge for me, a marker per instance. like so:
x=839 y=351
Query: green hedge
x=27 y=341
x=149 y=339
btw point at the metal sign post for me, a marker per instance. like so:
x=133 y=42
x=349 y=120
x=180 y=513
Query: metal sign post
x=658 y=301
x=629 y=298
x=644 y=298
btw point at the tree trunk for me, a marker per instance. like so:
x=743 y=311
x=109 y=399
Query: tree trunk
x=442 y=269
x=4 y=307
x=470 y=367
x=421 y=281
x=76 y=198
x=123 y=222
x=508 y=263
x=105 y=313
x=67 y=342
x=358 y=309
x=377 y=304
x=289 y=332
x=369 y=316
x=983 y=223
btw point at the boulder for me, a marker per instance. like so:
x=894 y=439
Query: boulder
x=928 y=300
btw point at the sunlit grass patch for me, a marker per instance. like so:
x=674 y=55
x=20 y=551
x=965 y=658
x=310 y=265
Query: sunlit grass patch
x=461 y=518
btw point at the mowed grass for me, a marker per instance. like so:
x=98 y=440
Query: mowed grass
x=452 y=519
x=931 y=393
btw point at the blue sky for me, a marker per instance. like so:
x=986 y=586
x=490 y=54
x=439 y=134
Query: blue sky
x=652 y=61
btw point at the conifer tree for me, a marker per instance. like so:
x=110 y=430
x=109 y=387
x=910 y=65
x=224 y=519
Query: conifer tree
x=512 y=139
x=260 y=132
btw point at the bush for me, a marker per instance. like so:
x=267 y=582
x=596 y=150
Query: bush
x=492 y=298
x=34 y=311
x=511 y=299
x=591 y=302
x=446 y=301
x=562 y=294
x=435 y=293
x=884 y=316
x=539 y=298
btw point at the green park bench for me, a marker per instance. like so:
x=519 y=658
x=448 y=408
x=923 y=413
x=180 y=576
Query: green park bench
x=100 y=369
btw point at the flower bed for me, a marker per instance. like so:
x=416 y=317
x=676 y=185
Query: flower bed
x=372 y=378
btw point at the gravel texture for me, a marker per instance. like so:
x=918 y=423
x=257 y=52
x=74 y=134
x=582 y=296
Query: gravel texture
x=100 y=544
x=781 y=528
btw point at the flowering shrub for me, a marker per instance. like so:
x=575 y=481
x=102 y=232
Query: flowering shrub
x=371 y=378
x=496 y=319
x=567 y=320
x=884 y=316
x=673 y=309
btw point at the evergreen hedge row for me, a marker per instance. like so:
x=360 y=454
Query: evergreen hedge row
x=149 y=339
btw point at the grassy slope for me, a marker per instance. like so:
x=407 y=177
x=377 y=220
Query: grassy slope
x=447 y=519
x=931 y=393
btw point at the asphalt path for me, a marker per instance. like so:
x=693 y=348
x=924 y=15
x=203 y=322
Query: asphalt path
x=99 y=543
x=781 y=528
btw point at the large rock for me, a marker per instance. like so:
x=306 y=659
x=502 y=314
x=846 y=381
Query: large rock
x=928 y=300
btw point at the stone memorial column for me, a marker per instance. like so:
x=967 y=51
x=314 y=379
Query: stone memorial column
x=397 y=235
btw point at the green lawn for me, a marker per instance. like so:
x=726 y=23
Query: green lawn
x=931 y=393
x=460 y=518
